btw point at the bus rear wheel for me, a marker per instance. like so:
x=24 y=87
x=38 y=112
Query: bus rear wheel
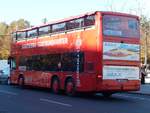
x=70 y=88
x=55 y=85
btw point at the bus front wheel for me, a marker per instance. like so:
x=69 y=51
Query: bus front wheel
x=70 y=87
x=55 y=85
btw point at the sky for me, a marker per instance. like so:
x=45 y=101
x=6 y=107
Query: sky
x=35 y=11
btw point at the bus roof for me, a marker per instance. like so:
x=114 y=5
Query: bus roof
x=118 y=14
x=79 y=16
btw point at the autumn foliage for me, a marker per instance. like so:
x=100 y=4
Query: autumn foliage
x=5 y=35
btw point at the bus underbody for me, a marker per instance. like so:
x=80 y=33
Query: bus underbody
x=98 y=85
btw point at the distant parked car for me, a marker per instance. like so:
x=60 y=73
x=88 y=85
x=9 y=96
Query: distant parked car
x=3 y=77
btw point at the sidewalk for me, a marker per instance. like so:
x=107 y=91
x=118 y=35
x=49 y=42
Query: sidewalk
x=144 y=90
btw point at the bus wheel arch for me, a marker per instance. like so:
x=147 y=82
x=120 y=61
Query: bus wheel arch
x=55 y=84
x=70 y=86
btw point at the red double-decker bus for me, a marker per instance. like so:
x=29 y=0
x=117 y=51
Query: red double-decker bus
x=93 y=52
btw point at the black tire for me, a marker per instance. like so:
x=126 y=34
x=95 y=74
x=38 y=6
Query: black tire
x=55 y=86
x=70 y=87
x=107 y=94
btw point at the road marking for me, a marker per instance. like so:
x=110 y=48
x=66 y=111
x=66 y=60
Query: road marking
x=8 y=92
x=139 y=98
x=55 y=102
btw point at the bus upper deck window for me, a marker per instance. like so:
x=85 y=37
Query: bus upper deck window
x=76 y=23
x=21 y=35
x=58 y=27
x=89 y=20
x=32 y=33
x=44 y=30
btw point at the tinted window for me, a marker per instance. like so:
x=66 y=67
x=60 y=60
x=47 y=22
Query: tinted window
x=58 y=27
x=22 y=61
x=70 y=62
x=44 y=30
x=120 y=26
x=53 y=62
x=32 y=33
x=42 y=62
x=36 y=62
x=29 y=63
x=21 y=35
x=55 y=59
x=78 y=23
x=89 y=20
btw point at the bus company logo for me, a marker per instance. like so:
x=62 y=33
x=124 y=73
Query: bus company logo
x=46 y=43
x=53 y=42
x=30 y=45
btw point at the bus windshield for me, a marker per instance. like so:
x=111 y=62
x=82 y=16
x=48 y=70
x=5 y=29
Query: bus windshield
x=120 y=26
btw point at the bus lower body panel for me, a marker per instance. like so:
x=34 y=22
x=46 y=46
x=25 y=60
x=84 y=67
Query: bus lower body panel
x=118 y=86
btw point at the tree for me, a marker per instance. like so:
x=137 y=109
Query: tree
x=145 y=36
x=3 y=45
x=5 y=35
x=18 y=25
x=3 y=29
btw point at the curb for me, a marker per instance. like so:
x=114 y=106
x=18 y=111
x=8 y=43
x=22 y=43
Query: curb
x=139 y=93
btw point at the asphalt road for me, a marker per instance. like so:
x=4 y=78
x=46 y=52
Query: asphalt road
x=16 y=100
